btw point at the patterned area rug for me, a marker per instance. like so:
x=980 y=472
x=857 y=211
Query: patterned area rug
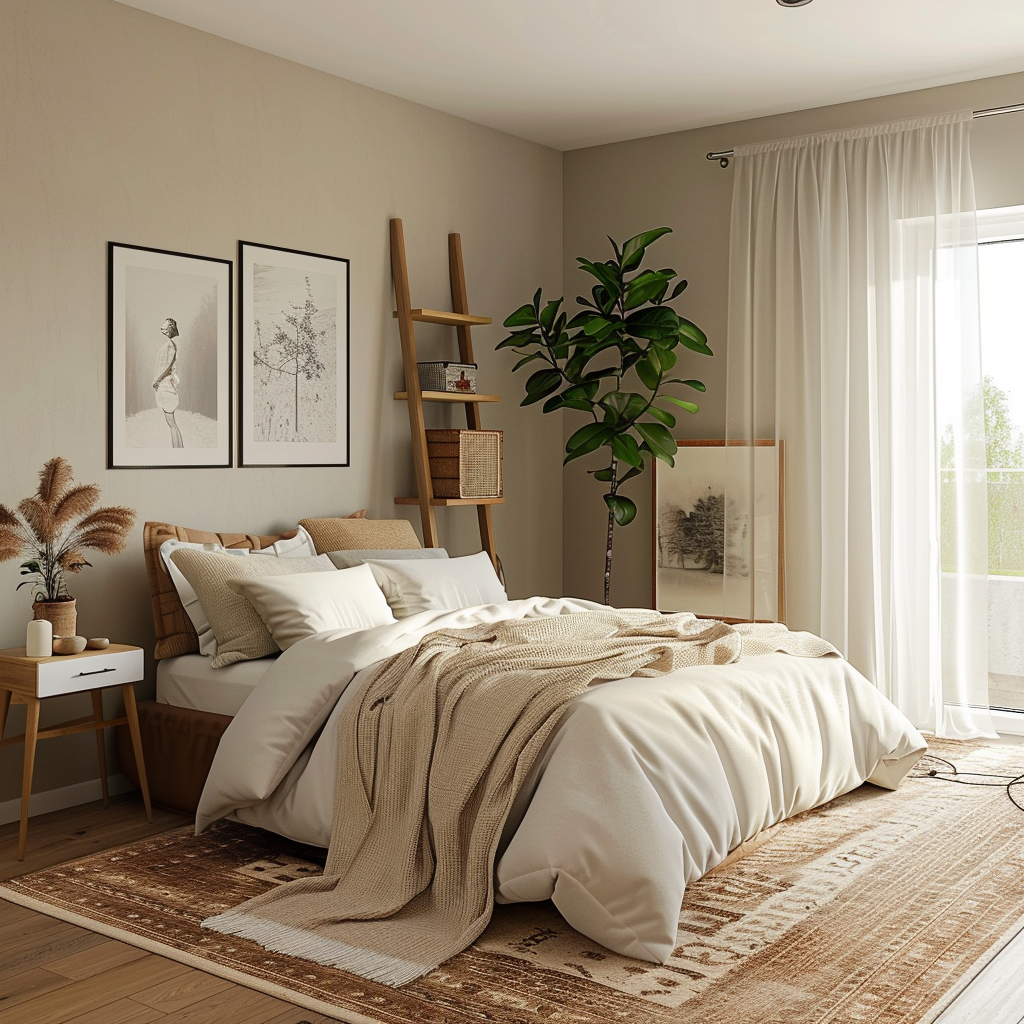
x=877 y=907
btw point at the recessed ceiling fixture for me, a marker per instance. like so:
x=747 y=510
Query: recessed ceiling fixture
x=792 y=3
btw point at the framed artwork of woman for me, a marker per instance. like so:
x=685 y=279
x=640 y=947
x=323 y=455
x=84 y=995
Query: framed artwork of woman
x=169 y=371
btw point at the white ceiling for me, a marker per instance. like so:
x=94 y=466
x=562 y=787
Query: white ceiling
x=572 y=73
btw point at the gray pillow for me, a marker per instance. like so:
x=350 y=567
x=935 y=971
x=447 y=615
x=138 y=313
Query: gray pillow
x=347 y=559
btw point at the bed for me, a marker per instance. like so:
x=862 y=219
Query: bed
x=641 y=785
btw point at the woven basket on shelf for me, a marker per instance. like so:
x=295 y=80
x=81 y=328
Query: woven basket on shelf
x=465 y=463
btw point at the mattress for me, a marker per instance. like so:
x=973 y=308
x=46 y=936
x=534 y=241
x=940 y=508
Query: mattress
x=188 y=681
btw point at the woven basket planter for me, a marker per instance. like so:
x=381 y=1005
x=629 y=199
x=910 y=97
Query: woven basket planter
x=60 y=614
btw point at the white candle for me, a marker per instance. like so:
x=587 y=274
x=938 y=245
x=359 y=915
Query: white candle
x=39 y=639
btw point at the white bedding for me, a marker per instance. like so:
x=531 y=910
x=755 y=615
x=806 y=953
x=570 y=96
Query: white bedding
x=189 y=681
x=645 y=785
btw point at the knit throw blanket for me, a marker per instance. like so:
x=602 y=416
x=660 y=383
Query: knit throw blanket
x=430 y=760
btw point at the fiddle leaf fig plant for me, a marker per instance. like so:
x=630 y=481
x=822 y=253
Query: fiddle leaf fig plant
x=614 y=360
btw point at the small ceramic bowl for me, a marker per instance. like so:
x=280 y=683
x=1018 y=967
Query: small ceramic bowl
x=68 y=644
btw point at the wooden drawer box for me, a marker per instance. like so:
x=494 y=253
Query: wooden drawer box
x=465 y=463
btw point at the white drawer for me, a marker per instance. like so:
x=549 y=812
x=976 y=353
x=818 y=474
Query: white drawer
x=75 y=674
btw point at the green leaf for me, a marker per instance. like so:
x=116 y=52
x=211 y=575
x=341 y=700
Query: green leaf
x=623 y=509
x=653 y=322
x=519 y=339
x=659 y=440
x=607 y=275
x=522 y=317
x=547 y=317
x=536 y=303
x=678 y=290
x=626 y=405
x=625 y=448
x=649 y=370
x=604 y=475
x=667 y=358
x=633 y=249
x=688 y=406
x=527 y=359
x=693 y=337
x=632 y=473
x=662 y=416
x=587 y=439
x=615 y=247
x=697 y=385
x=645 y=286
x=581 y=301
x=540 y=385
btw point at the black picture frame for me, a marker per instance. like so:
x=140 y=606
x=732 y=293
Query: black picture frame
x=293 y=358
x=169 y=395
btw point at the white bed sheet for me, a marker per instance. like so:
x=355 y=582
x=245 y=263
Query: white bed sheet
x=189 y=681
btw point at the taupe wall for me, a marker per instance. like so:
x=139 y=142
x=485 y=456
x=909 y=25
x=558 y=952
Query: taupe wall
x=622 y=189
x=118 y=125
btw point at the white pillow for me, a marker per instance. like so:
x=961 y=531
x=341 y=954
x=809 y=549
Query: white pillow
x=412 y=586
x=294 y=607
x=299 y=546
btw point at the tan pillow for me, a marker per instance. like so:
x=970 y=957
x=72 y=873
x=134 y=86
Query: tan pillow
x=346 y=534
x=241 y=634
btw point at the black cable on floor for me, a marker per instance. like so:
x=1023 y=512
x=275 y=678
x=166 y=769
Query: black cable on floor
x=1007 y=782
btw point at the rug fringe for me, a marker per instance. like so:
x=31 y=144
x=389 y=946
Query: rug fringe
x=281 y=938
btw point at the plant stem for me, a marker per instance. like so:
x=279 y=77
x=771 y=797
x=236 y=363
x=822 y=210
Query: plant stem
x=611 y=534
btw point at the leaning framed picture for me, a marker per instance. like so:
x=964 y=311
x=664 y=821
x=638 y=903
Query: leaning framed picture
x=719 y=531
x=169 y=359
x=293 y=357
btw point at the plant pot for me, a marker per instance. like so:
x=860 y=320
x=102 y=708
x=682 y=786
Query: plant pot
x=60 y=614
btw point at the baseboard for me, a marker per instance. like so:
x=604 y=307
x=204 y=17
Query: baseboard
x=1008 y=723
x=66 y=796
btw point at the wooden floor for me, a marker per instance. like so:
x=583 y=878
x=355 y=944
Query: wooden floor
x=52 y=972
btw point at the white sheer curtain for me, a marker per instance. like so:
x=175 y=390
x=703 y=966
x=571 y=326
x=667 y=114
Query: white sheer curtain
x=853 y=338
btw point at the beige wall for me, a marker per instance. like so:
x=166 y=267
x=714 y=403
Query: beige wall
x=118 y=125
x=622 y=189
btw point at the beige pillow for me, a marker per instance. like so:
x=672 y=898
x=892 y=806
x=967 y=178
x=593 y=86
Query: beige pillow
x=346 y=534
x=240 y=632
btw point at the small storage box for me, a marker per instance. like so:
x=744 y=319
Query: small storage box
x=465 y=463
x=446 y=376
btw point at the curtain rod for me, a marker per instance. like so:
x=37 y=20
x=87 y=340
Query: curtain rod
x=727 y=154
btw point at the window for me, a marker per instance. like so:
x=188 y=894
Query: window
x=1001 y=283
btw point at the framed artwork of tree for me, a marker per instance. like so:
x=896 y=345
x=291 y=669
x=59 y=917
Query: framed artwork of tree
x=293 y=357
x=719 y=531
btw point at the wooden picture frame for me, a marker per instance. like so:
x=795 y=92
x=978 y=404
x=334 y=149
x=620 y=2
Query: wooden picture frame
x=715 y=556
x=169 y=359
x=293 y=363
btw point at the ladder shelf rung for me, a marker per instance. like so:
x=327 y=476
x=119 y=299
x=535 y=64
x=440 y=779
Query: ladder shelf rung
x=445 y=502
x=440 y=316
x=447 y=396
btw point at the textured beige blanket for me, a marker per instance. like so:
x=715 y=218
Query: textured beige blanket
x=431 y=757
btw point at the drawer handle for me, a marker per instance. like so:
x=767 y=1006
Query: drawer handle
x=95 y=672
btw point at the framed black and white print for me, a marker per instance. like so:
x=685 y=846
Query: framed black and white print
x=719 y=530
x=169 y=359
x=293 y=357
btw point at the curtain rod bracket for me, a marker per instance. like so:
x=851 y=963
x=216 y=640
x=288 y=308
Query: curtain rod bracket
x=723 y=158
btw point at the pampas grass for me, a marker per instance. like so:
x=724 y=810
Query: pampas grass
x=50 y=528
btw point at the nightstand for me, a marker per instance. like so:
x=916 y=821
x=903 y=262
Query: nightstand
x=31 y=680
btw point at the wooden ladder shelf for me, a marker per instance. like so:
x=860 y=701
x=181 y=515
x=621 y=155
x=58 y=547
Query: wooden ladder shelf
x=462 y=320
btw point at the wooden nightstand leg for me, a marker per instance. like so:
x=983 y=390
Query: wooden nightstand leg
x=133 y=727
x=97 y=717
x=5 y=703
x=31 y=729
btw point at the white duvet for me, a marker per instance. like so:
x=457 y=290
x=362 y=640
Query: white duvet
x=644 y=785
